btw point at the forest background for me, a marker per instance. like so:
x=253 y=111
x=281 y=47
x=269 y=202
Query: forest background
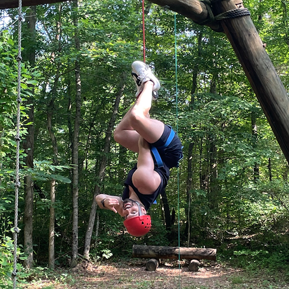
x=231 y=189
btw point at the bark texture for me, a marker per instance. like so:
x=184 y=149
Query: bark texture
x=163 y=252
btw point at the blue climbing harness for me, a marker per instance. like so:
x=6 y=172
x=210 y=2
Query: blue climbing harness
x=155 y=151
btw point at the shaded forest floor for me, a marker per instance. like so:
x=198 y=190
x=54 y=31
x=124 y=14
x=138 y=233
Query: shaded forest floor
x=132 y=274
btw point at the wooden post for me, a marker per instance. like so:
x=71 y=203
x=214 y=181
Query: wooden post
x=194 y=265
x=152 y=265
x=161 y=252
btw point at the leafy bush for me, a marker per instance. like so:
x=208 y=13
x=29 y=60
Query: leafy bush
x=7 y=264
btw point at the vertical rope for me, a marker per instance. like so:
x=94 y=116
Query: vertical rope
x=177 y=129
x=143 y=31
x=17 y=137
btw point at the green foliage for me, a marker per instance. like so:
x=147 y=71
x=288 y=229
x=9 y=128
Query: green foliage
x=7 y=263
x=43 y=171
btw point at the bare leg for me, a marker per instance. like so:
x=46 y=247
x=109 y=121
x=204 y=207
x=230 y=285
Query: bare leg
x=145 y=178
x=137 y=122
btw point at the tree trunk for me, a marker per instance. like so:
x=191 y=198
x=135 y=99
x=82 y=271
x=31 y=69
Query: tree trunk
x=50 y=110
x=102 y=166
x=51 y=257
x=75 y=173
x=191 y=144
x=28 y=145
x=162 y=252
x=213 y=185
x=284 y=4
x=189 y=189
x=270 y=169
x=254 y=140
x=166 y=210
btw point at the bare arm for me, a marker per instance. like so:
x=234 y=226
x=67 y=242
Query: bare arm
x=109 y=202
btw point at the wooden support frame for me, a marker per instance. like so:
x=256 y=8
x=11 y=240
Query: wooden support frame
x=5 y=4
x=252 y=55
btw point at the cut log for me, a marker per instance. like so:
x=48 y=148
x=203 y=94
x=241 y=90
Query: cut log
x=152 y=265
x=194 y=265
x=162 y=252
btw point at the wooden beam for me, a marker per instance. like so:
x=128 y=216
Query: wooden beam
x=192 y=9
x=4 y=4
x=163 y=252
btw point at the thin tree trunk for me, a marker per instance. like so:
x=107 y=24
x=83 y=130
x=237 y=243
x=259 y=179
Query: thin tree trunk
x=285 y=4
x=254 y=139
x=270 y=169
x=51 y=258
x=1 y=144
x=50 y=110
x=191 y=145
x=96 y=228
x=28 y=145
x=75 y=173
x=102 y=166
x=213 y=186
x=189 y=189
x=166 y=210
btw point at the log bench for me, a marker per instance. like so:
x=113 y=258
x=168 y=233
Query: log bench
x=156 y=253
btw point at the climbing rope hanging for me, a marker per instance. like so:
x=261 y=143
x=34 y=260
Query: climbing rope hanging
x=17 y=138
x=177 y=129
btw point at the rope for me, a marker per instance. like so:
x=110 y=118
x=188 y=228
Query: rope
x=17 y=138
x=177 y=128
x=143 y=31
x=234 y=13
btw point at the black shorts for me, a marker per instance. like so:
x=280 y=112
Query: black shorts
x=172 y=154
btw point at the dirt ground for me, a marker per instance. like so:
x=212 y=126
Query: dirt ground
x=132 y=274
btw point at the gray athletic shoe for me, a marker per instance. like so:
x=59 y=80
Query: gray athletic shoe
x=142 y=73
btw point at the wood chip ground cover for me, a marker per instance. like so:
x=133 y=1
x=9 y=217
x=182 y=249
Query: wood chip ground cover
x=126 y=275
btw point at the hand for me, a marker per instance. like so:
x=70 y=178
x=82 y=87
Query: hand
x=112 y=204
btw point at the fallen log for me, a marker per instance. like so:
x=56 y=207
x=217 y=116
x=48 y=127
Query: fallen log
x=164 y=252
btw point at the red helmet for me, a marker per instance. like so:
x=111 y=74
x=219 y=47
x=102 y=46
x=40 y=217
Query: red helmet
x=138 y=226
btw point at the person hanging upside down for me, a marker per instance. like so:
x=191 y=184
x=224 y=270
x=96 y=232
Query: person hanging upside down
x=158 y=147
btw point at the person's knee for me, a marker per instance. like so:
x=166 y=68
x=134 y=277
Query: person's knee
x=137 y=115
